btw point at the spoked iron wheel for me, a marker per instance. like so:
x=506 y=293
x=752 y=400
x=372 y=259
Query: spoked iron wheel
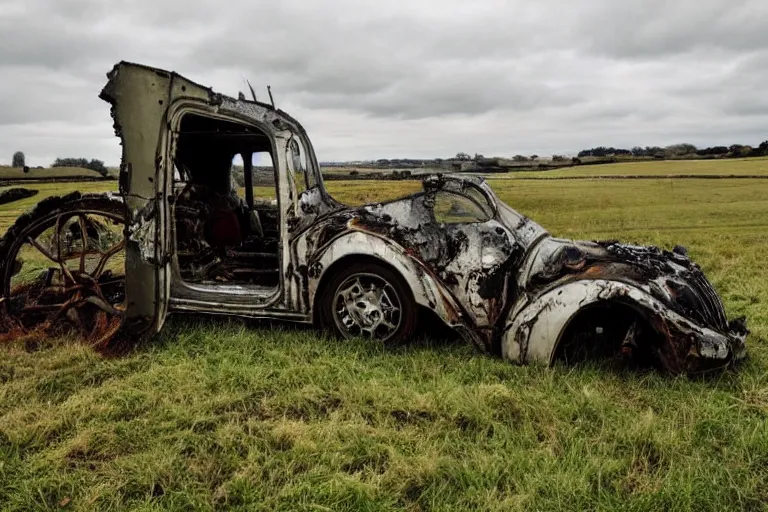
x=63 y=269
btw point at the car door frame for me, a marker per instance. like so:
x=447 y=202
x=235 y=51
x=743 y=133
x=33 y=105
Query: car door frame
x=225 y=297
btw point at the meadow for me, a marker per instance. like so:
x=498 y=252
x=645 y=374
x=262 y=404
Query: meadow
x=12 y=173
x=223 y=414
x=724 y=167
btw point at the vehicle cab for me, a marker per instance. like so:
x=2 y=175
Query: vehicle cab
x=213 y=185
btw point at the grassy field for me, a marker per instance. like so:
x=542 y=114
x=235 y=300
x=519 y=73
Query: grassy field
x=9 y=212
x=8 y=173
x=219 y=415
x=737 y=167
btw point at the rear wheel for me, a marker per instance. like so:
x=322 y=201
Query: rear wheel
x=63 y=269
x=367 y=300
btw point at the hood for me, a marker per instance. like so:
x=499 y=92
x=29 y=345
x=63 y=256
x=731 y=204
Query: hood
x=669 y=276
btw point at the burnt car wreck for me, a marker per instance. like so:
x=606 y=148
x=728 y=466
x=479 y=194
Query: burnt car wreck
x=277 y=245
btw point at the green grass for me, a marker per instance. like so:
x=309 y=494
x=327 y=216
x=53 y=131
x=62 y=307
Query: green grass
x=735 y=167
x=9 y=212
x=7 y=173
x=215 y=414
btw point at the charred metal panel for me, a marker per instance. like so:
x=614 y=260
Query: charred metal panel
x=562 y=277
x=139 y=98
x=475 y=263
x=426 y=287
x=670 y=277
x=535 y=332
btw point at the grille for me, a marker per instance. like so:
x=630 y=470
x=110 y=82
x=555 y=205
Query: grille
x=712 y=310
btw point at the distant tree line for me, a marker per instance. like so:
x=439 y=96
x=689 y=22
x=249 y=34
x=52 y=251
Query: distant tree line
x=637 y=152
x=94 y=165
x=684 y=150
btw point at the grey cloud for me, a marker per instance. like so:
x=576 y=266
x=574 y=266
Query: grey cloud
x=657 y=28
x=422 y=78
x=446 y=92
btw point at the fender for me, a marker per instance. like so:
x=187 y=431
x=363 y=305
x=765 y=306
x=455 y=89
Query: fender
x=425 y=288
x=533 y=333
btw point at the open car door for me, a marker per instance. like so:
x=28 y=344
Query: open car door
x=139 y=97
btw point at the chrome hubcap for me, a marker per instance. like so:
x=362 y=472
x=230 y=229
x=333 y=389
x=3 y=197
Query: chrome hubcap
x=367 y=305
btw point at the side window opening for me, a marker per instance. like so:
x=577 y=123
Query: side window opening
x=298 y=170
x=225 y=207
x=263 y=184
x=480 y=200
x=455 y=208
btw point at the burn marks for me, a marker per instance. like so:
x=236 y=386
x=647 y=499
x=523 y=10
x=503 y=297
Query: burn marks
x=475 y=262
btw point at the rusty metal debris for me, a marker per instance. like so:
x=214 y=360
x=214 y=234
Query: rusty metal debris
x=283 y=248
x=62 y=269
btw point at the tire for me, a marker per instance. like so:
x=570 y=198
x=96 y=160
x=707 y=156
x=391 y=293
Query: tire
x=45 y=216
x=397 y=294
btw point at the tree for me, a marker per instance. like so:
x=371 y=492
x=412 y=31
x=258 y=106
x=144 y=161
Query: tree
x=520 y=158
x=98 y=166
x=680 y=149
x=734 y=151
x=713 y=151
x=83 y=163
x=18 y=159
x=534 y=157
x=558 y=158
x=463 y=157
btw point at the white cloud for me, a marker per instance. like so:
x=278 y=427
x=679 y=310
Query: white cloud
x=373 y=79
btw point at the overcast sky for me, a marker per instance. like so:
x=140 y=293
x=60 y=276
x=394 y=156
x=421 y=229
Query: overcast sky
x=402 y=78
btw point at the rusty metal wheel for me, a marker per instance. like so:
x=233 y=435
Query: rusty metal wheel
x=63 y=269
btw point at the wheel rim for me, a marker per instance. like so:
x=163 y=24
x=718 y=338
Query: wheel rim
x=367 y=305
x=68 y=273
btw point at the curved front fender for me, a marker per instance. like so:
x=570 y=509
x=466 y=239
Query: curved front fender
x=533 y=333
x=427 y=291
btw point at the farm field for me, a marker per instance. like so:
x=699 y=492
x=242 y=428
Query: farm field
x=649 y=168
x=220 y=414
x=7 y=173
x=735 y=167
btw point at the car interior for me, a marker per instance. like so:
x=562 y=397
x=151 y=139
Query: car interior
x=225 y=206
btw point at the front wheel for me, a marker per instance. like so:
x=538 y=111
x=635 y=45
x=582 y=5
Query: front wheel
x=367 y=300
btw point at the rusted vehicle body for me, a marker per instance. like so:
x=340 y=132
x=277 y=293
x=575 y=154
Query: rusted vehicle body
x=281 y=247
